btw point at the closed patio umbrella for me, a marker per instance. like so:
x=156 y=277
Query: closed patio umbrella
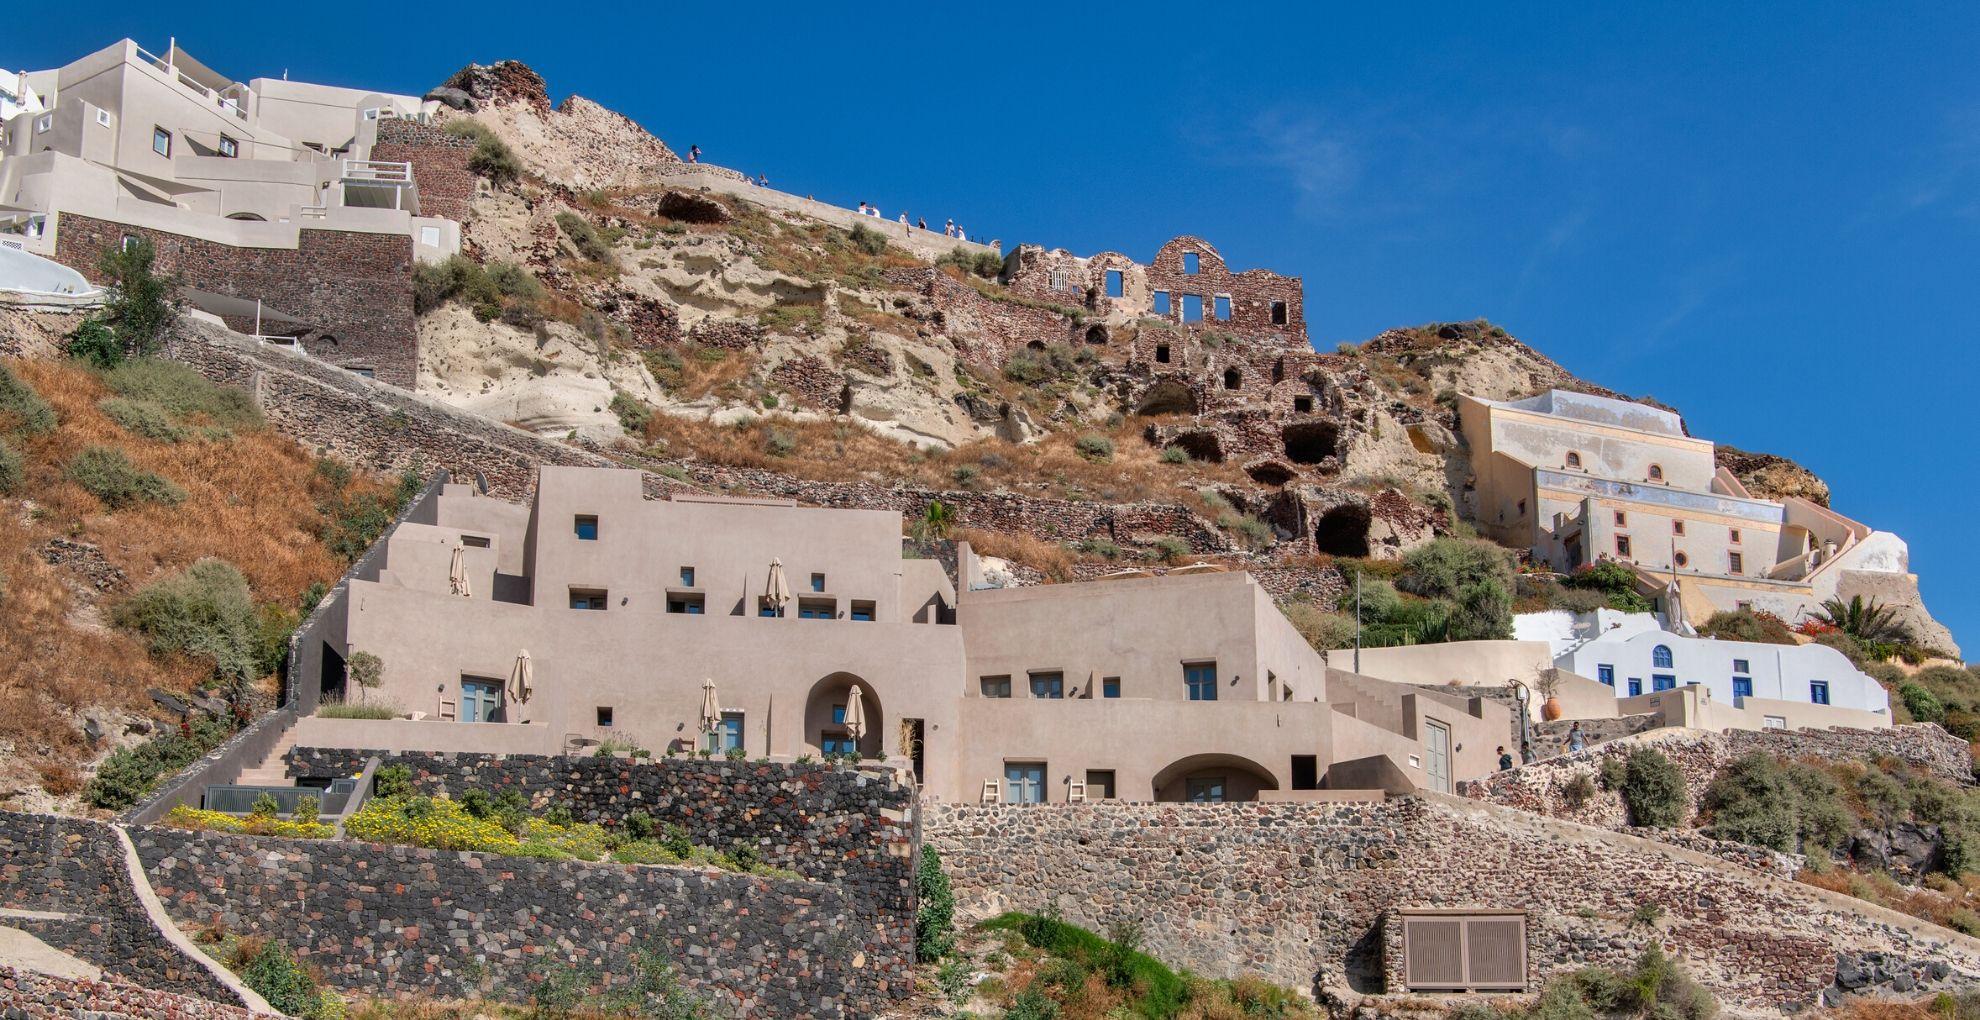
x=457 y=578
x=522 y=680
x=855 y=715
x=777 y=591
x=711 y=707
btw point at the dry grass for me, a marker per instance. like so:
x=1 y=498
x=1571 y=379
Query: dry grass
x=1941 y=900
x=250 y=499
x=691 y=372
x=1051 y=559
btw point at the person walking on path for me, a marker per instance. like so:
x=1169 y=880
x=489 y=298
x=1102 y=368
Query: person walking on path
x=1505 y=760
x=1526 y=756
x=1577 y=740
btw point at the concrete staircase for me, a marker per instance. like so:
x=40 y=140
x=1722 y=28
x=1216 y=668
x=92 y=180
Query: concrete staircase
x=271 y=770
x=1375 y=702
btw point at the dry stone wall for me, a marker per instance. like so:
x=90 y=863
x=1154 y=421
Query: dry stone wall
x=67 y=884
x=1296 y=892
x=26 y=995
x=386 y=920
x=439 y=161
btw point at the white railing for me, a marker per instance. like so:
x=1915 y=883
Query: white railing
x=313 y=212
x=375 y=171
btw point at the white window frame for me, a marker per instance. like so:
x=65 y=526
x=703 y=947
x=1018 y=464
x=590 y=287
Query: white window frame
x=44 y=122
x=158 y=133
x=103 y=116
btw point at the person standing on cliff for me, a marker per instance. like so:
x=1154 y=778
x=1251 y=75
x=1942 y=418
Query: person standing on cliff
x=694 y=153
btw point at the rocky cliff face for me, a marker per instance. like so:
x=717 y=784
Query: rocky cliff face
x=1770 y=477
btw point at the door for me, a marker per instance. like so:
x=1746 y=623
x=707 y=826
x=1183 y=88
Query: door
x=481 y=701
x=1439 y=758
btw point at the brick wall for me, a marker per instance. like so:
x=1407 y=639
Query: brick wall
x=26 y=995
x=439 y=160
x=1296 y=893
x=386 y=920
x=356 y=287
x=71 y=874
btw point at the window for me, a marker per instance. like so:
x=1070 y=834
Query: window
x=1660 y=657
x=1663 y=682
x=816 y=609
x=161 y=142
x=1278 y=313
x=1635 y=686
x=862 y=612
x=481 y=700
x=1024 y=783
x=1656 y=472
x=995 y=686
x=1736 y=562
x=1202 y=680
x=1099 y=784
x=371 y=114
x=838 y=715
x=475 y=541
x=728 y=734
x=229 y=148
x=130 y=241
x=605 y=716
x=1192 y=308
x=1739 y=666
x=1302 y=405
x=1110 y=687
x=586 y=598
x=1680 y=558
x=1774 y=722
x=586 y=528
x=818 y=582
x=1622 y=541
x=1606 y=673
x=687 y=577
x=1732 y=535
x=1622 y=519
x=838 y=746
x=692 y=605
x=1818 y=691
x=1161 y=354
x=429 y=236
x=1220 y=308
x=1573 y=459
x=1048 y=685
x=1677 y=527
x=47 y=121
x=1115 y=285
x=1205 y=789
x=1161 y=302
x=1190 y=265
x=368 y=373
x=1742 y=687
x=767 y=609
x=1057 y=280
x=103 y=117
x=1233 y=379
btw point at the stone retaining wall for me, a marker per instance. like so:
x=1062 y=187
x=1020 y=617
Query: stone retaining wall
x=439 y=161
x=69 y=877
x=1295 y=892
x=384 y=920
x=26 y=995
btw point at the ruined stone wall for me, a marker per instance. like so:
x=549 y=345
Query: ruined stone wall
x=1252 y=292
x=68 y=880
x=355 y=287
x=26 y=995
x=439 y=161
x=1295 y=892
x=388 y=920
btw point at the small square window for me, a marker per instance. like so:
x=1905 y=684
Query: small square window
x=995 y=686
x=1739 y=666
x=1161 y=302
x=1622 y=545
x=429 y=236
x=161 y=142
x=1736 y=562
x=1278 y=313
x=1733 y=536
x=1161 y=354
x=1110 y=687
x=1818 y=691
x=605 y=716
x=1051 y=686
x=1192 y=308
x=44 y=123
x=1201 y=679
x=1622 y=519
x=585 y=527
x=818 y=582
x=1606 y=674
x=1190 y=263
x=103 y=117
x=690 y=605
x=130 y=241
x=1099 y=784
x=838 y=715
x=1303 y=405
x=861 y=611
x=1677 y=527
x=1656 y=472
x=687 y=577
x=475 y=541
x=229 y=148
x=587 y=598
x=1220 y=308
x=1573 y=459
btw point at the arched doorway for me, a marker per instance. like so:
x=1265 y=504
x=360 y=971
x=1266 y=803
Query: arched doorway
x=1167 y=397
x=825 y=720
x=1343 y=530
x=1212 y=778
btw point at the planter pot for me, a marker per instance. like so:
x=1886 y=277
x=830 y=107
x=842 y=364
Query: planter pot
x=1552 y=710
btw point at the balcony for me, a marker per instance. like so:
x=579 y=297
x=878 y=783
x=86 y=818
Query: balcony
x=375 y=184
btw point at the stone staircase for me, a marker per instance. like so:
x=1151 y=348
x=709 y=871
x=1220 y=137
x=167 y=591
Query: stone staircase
x=271 y=770
x=1375 y=702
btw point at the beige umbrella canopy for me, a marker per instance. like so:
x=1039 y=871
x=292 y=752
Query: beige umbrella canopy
x=522 y=680
x=855 y=715
x=777 y=591
x=457 y=577
x=711 y=707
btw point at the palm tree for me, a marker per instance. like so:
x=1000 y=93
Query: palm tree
x=1870 y=621
x=936 y=522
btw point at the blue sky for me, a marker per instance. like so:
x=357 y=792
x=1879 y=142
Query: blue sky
x=1767 y=216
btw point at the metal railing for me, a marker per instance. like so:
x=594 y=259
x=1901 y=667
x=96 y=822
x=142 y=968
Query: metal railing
x=376 y=171
x=237 y=799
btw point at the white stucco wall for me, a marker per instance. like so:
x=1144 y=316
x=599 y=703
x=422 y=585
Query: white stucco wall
x=1779 y=672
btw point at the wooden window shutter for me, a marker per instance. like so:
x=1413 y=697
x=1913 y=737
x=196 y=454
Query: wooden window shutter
x=1451 y=950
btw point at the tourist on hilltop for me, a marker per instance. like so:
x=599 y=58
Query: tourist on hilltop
x=961 y=234
x=905 y=229
x=694 y=153
x=949 y=230
x=762 y=180
x=1577 y=740
x=862 y=208
x=922 y=223
x=1505 y=760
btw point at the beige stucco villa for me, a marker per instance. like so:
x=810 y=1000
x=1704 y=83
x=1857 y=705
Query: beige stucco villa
x=1190 y=686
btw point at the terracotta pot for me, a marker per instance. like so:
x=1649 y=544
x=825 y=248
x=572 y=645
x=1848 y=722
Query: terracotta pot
x=1552 y=710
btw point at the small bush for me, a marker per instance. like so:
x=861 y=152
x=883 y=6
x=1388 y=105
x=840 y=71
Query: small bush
x=1653 y=790
x=1483 y=613
x=181 y=391
x=141 y=308
x=1094 y=447
x=984 y=264
x=104 y=472
x=12 y=470
x=779 y=442
x=393 y=781
x=492 y=157
x=357 y=710
x=1748 y=625
x=274 y=973
x=1611 y=773
x=142 y=419
x=868 y=240
x=1616 y=582
x=585 y=237
x=1578 y=791
x=1169 y=548
x=205 y=611
x=1578 y=600
x=934 y=921
x=1921 y=703
x=1174 y=455
x=632 y=412
x=94 y=344
x=21 y=408
x=1321 y=629
x=130 y=772
x=1446 y=567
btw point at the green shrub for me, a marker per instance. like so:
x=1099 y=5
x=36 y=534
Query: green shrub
x=12 y=470
x=21 y=407
x=1163 y=991
x=496 y=289
x=274 y=972
x=205 y=611
x=1577 y=600
x=142 y=419
x=1578 y=791
x=633 y=413
x=104 y=472
x=141 y=308
x=984 y=264
x=585 y=237
x=1616 y=582
x=130 y=772
x=1748 y=625
x=1446 y=567
x=95 y=344
x=393 y=781
x=357 y=710
x=1761 y=800
x=1174 y=455
x=1611 y=772
x=934 y=919
x=868 y=240
x=1483 y=613
x=1094 y=447
x=1653 y=790
x=352 y=524
x=779 y=442
x=492 y=157
x=1169 y=548
x=181 y=391
x=1321 y=629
